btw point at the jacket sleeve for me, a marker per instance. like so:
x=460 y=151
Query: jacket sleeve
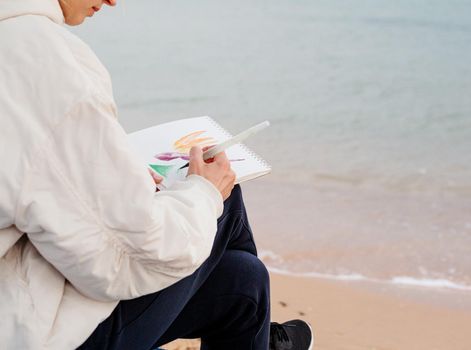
x=89 y=206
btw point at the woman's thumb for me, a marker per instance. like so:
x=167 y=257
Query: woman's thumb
x=196 y=158
x=196 y=153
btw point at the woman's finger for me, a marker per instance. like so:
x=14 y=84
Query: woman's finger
x=221 y=158
x=196 y=160
x=157 y=178
x=205 y=148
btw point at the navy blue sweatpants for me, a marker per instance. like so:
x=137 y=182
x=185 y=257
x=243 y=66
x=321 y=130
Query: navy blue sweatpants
x=226 y=302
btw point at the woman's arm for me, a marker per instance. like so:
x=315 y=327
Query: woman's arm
x=90 y=208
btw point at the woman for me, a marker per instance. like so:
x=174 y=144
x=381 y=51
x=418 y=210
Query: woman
x=91 y=256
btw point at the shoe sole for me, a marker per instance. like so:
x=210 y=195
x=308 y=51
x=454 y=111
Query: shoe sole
x=312 y=336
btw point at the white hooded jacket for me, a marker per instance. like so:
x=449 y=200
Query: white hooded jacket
x=81 y=226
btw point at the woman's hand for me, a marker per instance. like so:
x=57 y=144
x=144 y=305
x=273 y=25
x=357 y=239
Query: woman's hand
x=157 y=178
x=218 y=171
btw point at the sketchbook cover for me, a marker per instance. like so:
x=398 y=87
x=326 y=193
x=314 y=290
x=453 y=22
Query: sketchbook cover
x=165 y=148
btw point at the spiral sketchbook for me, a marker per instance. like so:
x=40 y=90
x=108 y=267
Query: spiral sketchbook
x=165 y=149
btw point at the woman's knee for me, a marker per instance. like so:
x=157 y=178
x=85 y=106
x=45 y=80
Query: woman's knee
x=235 y=201
x=234 y=231
x=249 y=275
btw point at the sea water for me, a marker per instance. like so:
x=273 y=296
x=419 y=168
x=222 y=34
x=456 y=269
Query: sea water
x=370 y=108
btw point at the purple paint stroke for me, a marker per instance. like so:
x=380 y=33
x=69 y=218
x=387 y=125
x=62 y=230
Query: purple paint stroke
x=168 y=156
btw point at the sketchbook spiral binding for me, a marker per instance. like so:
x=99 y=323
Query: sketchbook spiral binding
x=227 y=134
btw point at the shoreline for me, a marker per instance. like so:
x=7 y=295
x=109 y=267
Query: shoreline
x=355 y=233
x=352 y=316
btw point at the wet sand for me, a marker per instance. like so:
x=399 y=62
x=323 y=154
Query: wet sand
x=348 y=316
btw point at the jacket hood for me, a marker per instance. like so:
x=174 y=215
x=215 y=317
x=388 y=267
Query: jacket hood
x=48 y=8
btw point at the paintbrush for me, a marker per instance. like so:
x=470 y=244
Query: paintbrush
x=210 y=153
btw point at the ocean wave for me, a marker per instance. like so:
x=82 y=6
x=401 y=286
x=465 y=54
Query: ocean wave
x=406 y=281
x=429 y=283
x=269 y=255
x=339 y=277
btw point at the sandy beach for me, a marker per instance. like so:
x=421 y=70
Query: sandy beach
x=349 y=316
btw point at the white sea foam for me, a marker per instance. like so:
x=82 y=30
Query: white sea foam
x=340 y=277
x=400 y=280
x=429 y=283
x=269 y=255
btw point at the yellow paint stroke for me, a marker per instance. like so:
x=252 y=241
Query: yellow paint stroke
x=185 y=143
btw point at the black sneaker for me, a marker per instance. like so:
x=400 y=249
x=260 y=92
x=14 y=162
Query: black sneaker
x=291 y=335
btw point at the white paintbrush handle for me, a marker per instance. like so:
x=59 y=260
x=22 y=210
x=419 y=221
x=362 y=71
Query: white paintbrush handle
x=210 y=153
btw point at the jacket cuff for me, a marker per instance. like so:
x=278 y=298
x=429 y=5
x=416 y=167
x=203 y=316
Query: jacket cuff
x=210 y=189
